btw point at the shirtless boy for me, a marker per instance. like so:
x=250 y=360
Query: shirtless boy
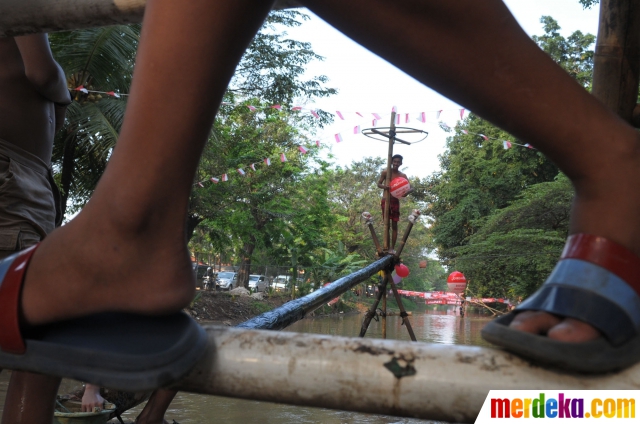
x=394 y=210
x=33 y=101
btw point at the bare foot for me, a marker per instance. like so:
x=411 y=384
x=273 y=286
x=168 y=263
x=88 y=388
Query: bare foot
x=567 y=329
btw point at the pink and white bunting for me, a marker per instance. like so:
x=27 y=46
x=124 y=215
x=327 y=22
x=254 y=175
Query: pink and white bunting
x=339 y=115
x=506 y=144
x=253 y=166
x=315 y=114
x=224 y=177
x=241 y=171
x=267 y=161
x=302 y=150
x=338 y=138
x=375 y=115
x=214 y=180
x=283 y=158
x=356 y=129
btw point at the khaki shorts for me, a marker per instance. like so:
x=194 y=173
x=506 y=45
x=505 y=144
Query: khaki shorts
x=17 y=238
x=29 y=199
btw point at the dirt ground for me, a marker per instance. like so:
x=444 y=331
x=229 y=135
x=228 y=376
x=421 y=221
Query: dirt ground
x=211 y=307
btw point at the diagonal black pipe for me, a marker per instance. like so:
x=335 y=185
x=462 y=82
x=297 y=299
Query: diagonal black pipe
x=295 y=310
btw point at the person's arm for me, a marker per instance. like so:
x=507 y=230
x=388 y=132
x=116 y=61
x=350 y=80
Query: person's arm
x=42 y=70
x=381 y=181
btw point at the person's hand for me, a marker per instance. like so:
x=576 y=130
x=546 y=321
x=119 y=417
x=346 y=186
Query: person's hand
x=91 y=398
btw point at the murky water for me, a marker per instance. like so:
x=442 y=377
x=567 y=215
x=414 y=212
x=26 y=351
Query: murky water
x=437 y=326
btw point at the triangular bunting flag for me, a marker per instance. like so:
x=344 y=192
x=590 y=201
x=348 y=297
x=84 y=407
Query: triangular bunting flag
x=214 y=180
x=375 y=115
x=283 y=158
x=339 y=115
x=240 y=171
x=224 y=177
x=267 y=161
x=356 y=129
x=315 y=114
x=338 y=138
x=302 y=149
x=506 y=144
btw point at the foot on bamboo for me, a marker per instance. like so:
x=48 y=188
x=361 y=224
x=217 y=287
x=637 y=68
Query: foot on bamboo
x=97 y=263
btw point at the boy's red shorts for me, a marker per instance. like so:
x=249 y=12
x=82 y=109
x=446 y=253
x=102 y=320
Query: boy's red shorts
x=394 y=210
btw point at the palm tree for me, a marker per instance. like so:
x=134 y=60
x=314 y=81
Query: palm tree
x=100 y=60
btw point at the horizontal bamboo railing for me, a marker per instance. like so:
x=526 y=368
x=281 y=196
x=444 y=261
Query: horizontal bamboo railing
x=29 y=16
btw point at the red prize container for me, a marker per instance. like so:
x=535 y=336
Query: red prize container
x=456 y=282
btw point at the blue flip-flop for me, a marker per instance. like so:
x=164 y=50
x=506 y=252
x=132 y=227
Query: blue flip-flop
x=119 y=350
x=596 y=281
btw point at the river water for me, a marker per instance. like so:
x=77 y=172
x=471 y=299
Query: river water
x=436 y=325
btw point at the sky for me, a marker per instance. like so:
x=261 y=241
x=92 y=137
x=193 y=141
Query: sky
x=368 y=84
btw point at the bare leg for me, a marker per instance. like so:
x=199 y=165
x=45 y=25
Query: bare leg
x=30 y=399
x=139 y=206
x=153 y=412
x=476 y=54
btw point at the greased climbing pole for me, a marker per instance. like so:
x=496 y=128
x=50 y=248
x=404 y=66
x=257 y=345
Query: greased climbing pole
x=390 y=135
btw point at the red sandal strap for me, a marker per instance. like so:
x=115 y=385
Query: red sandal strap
x=607 y=254
x=10 y=290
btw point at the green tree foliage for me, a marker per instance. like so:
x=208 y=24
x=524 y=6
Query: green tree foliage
x=477 y=177
x=572 y=53
x=518 y=246
x=501 y=216
x=588 y=3
x=99 y=59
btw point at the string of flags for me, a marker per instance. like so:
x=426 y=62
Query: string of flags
x=506 y=144
x=424 y=117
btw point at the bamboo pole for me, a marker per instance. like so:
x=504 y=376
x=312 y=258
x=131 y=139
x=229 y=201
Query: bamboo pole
x=29 y=16
x=387 y=192
x=403 y=313
x=372 y=310
x=616 y=63
x=383 y=316
x=428 y=381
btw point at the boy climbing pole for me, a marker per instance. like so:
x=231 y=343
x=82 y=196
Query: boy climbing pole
x=394 y=210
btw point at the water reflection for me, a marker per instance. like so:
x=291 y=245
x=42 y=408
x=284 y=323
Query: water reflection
x=439 y=325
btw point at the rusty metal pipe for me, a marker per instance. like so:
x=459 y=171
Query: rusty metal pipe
x=428 y=381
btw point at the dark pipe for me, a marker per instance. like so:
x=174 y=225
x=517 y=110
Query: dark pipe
x=295 y=310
